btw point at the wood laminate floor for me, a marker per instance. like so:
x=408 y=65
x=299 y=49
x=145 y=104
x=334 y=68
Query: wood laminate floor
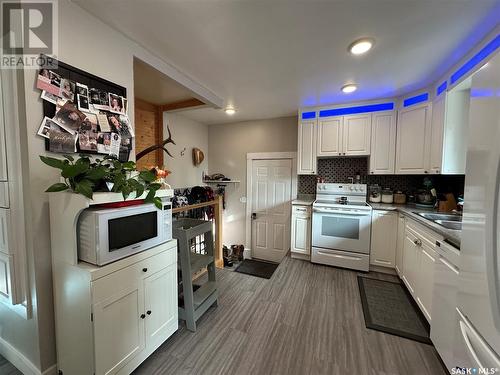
x=6 y=368
x=307 y=319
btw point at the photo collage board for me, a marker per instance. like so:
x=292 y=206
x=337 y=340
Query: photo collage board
x=83 y=113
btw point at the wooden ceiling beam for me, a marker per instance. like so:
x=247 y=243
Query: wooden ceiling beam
x=193 y=102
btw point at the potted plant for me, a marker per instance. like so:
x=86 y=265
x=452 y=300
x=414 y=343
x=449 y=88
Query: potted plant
x=84 y=176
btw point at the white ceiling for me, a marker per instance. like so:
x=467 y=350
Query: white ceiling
x=155 y=87
x=267 y=58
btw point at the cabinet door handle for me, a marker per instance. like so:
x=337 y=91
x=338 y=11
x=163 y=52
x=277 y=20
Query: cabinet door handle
x=426 y=171
x=148 y=312
x=418 y=242
x=144 y=269
x=143 y=316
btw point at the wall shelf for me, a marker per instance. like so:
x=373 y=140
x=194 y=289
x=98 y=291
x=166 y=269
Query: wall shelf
x=221 y=181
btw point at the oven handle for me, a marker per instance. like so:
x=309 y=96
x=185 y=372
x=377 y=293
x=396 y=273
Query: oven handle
x=337 y=212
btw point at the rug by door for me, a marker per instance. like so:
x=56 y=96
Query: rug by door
x=388 y=307
x=257 y=268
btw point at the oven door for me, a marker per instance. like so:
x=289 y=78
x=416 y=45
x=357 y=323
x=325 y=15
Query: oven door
x=341 y=229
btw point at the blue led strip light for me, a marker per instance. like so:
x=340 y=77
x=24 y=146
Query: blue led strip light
x=416 y=99
x=354 y=110
x=308 y=115
x=442 y=87
x=476 y=59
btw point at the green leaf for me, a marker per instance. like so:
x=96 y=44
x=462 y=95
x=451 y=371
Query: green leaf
x=53 y=162
x=149 y=198
x=158 y=203
x=84 y=187
x=129 y=165
x=147 y=176
x=60 y=186
x=96 y=174
x=73 y=170
x=154 y=186
x=69 y=157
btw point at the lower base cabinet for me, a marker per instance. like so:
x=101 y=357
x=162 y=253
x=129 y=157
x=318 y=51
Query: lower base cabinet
x=419 y=256
x=301 y=232
x=384 y=238
x=132 y=309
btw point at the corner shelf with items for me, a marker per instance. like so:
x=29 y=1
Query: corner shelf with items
x=141 y=289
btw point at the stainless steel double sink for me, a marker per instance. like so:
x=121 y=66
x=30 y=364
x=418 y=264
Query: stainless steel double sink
x=449 y=221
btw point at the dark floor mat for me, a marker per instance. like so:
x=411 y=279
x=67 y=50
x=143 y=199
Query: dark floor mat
x=257 y=268
x=389 y=308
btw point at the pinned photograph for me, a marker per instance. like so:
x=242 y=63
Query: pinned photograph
x=61 y=141
x=92 y=117
x=82 y=89
x=48 y=81
x=87 y=136
x=102 y=120
x=83 y=103
x=45 y=126
x=116 y=104
x=115 y=144
x=69 y=118
x=51 y=98
x=67 y=90
x=104 y=143
x=99 y=99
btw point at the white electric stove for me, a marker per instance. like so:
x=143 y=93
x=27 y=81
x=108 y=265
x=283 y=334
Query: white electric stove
x=341 y=226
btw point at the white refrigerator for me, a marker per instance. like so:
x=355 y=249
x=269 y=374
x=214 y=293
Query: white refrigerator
x=477 y=347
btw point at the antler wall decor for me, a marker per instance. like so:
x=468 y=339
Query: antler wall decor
x=156 y=147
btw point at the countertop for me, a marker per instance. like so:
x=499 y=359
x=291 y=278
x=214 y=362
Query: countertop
x=451 y=235
x=304 y=200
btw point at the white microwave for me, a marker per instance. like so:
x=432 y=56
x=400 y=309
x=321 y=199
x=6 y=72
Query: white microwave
x=108 y=234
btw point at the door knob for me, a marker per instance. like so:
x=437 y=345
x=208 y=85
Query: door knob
x=144 y=269
x=148 y=312
x=254 y=215
x=143 y=316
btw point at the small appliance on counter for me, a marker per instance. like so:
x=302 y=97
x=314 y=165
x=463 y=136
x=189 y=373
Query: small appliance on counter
x=106 y=235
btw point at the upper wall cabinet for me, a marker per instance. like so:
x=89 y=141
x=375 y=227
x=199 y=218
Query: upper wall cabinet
x=413 y=139
x=450 y=114
x=383 y=143
x=307 y=162
x=357 y=134
x=330 y=136
x=3 y=157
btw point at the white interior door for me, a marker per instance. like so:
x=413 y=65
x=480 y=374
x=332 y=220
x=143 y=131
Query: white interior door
x=271 y=196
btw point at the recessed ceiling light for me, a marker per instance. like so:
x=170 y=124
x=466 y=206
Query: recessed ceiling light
x=230 y=111
x=350 y=87
x=360 y=46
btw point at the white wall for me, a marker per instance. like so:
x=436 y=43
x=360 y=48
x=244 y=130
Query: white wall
x=187 y=134
x=90 y=45
x=228 y=145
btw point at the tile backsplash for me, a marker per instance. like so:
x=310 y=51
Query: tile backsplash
x=340 y=169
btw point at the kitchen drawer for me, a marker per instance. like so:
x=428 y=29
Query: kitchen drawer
x=132 y=275
x=6 y=266
x=4 y=194
x=423 y=232
x=304 y=211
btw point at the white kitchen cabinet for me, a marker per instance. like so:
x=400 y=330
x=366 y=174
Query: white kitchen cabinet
x=307 y=160
x=411 y=262
x=384 y=238
x=425 y=281
x=419 y=256
x=3 y=154
x=330 y=136
x=161 y=314
x=119 y=333
x=301 y=232
x=450 y=115
x=383 y=143
x=357 y=135
x=400 y=244
x=413 y=139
